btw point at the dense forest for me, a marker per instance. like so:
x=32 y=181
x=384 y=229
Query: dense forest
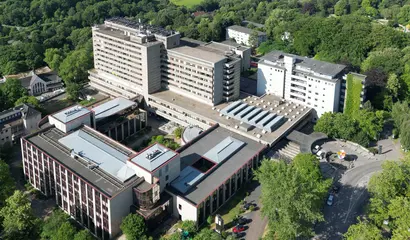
x=353 y=32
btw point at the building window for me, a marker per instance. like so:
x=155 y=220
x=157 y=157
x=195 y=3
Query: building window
x=166 y=168
x=166 y=178
x=179 y=206
x=160 y=172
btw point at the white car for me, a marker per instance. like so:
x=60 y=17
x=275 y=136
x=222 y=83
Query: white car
x=329 y=201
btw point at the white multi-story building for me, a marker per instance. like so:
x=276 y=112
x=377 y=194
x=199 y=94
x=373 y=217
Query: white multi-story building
x=18 y=121
x=133 y=59
x=242 y=35
x=302 y=80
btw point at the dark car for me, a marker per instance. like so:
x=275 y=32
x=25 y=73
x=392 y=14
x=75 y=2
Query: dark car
x=238 y=228
x=247 y=206
x=241 y=220
x=335 y=188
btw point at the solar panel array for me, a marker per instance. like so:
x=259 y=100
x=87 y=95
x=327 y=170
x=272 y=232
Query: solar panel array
x=254 y=116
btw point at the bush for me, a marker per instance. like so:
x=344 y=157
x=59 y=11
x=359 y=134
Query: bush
x=373 y=150
x=209 y=220
x=178 y=132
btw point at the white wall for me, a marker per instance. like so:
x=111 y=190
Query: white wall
x=174 y=168
x=59 y=125
x=141 y=172
x=270 y=80
x=239 y=37
x=187 y=211
x=86 y=120
x=324 y=95
x=119 y=207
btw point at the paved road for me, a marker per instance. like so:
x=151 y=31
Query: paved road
x=257 y=226
x=349 y=202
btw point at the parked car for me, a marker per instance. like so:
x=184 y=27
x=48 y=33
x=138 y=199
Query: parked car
x=316 y=149
x=330 y=200
x=241 y=220
x=238 y=228
x=335 y=189
x=248 y=205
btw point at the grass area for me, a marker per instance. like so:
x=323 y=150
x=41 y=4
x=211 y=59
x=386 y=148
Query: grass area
x=354 y=89
x=86 y=102
x=233 y=207
x=186 y=3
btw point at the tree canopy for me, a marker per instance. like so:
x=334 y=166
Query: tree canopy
x=389 y=201
x=292 y=195
x=133 y=226
x=7 y=182
x=19 y=221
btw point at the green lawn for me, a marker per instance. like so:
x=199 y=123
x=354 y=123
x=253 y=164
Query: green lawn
x=186 y=3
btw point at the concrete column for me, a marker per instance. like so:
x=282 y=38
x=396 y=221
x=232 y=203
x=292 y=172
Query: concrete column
x=80 y=195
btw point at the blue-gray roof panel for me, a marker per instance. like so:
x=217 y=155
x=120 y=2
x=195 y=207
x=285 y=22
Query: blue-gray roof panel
x=187 y=178
x=112 y=107
x=71 y=113
x=224 y=149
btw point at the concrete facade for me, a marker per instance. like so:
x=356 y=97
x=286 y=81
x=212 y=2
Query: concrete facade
x=242 y=35
x=17 y=122
x=134 y=59
x=301 y=80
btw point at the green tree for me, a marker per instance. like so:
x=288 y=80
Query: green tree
x=208 y=234
x=75 y=66
x=393 y=85
x=7 y=182
x=405 y=134
x=363 y=231
x=83 y=235
x=341 y=7
x=73 y=90
x=31 y=100
x=400 y=112
x=386 y=60
x=254 y=38
x=292 y=195
x=133 y=226
x=13 y=91
x=189 y=226
x=53 y=223
x=19 y=221
x=54 y=57
x=65 y=232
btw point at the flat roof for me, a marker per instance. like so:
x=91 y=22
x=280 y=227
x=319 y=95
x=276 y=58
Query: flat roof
x=198 y=53
x=245 y=30
x=107 y=157
x=71 y=113
x=112 y=107
x=325 y=68
x=213 y=113
x=47 y=140
x=153 y=157
x=223 y=171
x=186 y=179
